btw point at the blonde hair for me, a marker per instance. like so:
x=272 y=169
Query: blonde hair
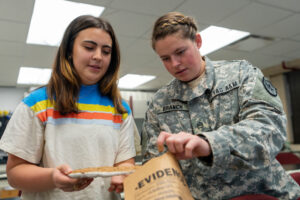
x=171 y=23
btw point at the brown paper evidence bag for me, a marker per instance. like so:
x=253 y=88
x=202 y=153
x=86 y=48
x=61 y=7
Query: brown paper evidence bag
x=159 y=179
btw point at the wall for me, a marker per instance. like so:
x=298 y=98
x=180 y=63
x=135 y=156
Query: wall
x=139 y=101
x=280 y=83
x=10 y=97
x=276 y=75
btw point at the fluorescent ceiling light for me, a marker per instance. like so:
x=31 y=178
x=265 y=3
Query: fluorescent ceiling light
x=130 y=81
x=214 y=38
x=50 y=18
x=33 y=76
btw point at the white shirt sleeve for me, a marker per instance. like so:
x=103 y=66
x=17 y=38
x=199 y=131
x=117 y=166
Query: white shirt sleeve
x=24 y=135
x=126 y=143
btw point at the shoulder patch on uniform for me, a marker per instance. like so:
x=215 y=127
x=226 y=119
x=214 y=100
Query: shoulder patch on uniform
x=265 y=91
x=269 y=87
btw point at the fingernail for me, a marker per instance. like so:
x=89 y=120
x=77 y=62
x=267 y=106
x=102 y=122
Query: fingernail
x=160 y=148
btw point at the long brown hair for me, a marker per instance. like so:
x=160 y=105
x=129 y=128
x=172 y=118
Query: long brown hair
x=171 y=23
x=64 y=84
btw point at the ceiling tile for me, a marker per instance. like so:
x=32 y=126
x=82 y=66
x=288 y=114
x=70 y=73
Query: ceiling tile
x=155 y=63
x=227 y=54
x=296 y=37
x=138 y=54
x=108 y=11
x=153 y=7
x=285 y=28
x=138 y=61
x=212 y=11
x=9 y=66
x=280 y=48
x=16 y=10
x=254 y=17
x=94 y=2
x=125 y=42
x=293 y=5
x=129 y=23
x=39 y=56
x=257 y=59
x=11 y=48
x=265 y=61
x=13 y=31
x=154 y=70
x=142 y=46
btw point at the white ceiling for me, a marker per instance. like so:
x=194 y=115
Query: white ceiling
x=133 y=20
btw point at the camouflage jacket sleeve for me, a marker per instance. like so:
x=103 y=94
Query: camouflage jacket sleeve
x=259 y=133
x=150 y=132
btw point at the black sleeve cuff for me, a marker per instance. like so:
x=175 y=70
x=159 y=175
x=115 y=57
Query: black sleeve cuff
x=207 y=160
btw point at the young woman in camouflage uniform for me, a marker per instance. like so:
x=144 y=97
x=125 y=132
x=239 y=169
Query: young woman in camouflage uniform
x=222 y=120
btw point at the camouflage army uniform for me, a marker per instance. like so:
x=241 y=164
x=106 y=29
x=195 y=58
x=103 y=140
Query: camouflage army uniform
x=240 y=114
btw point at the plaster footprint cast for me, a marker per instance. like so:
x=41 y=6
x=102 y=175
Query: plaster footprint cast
x=94 y=172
